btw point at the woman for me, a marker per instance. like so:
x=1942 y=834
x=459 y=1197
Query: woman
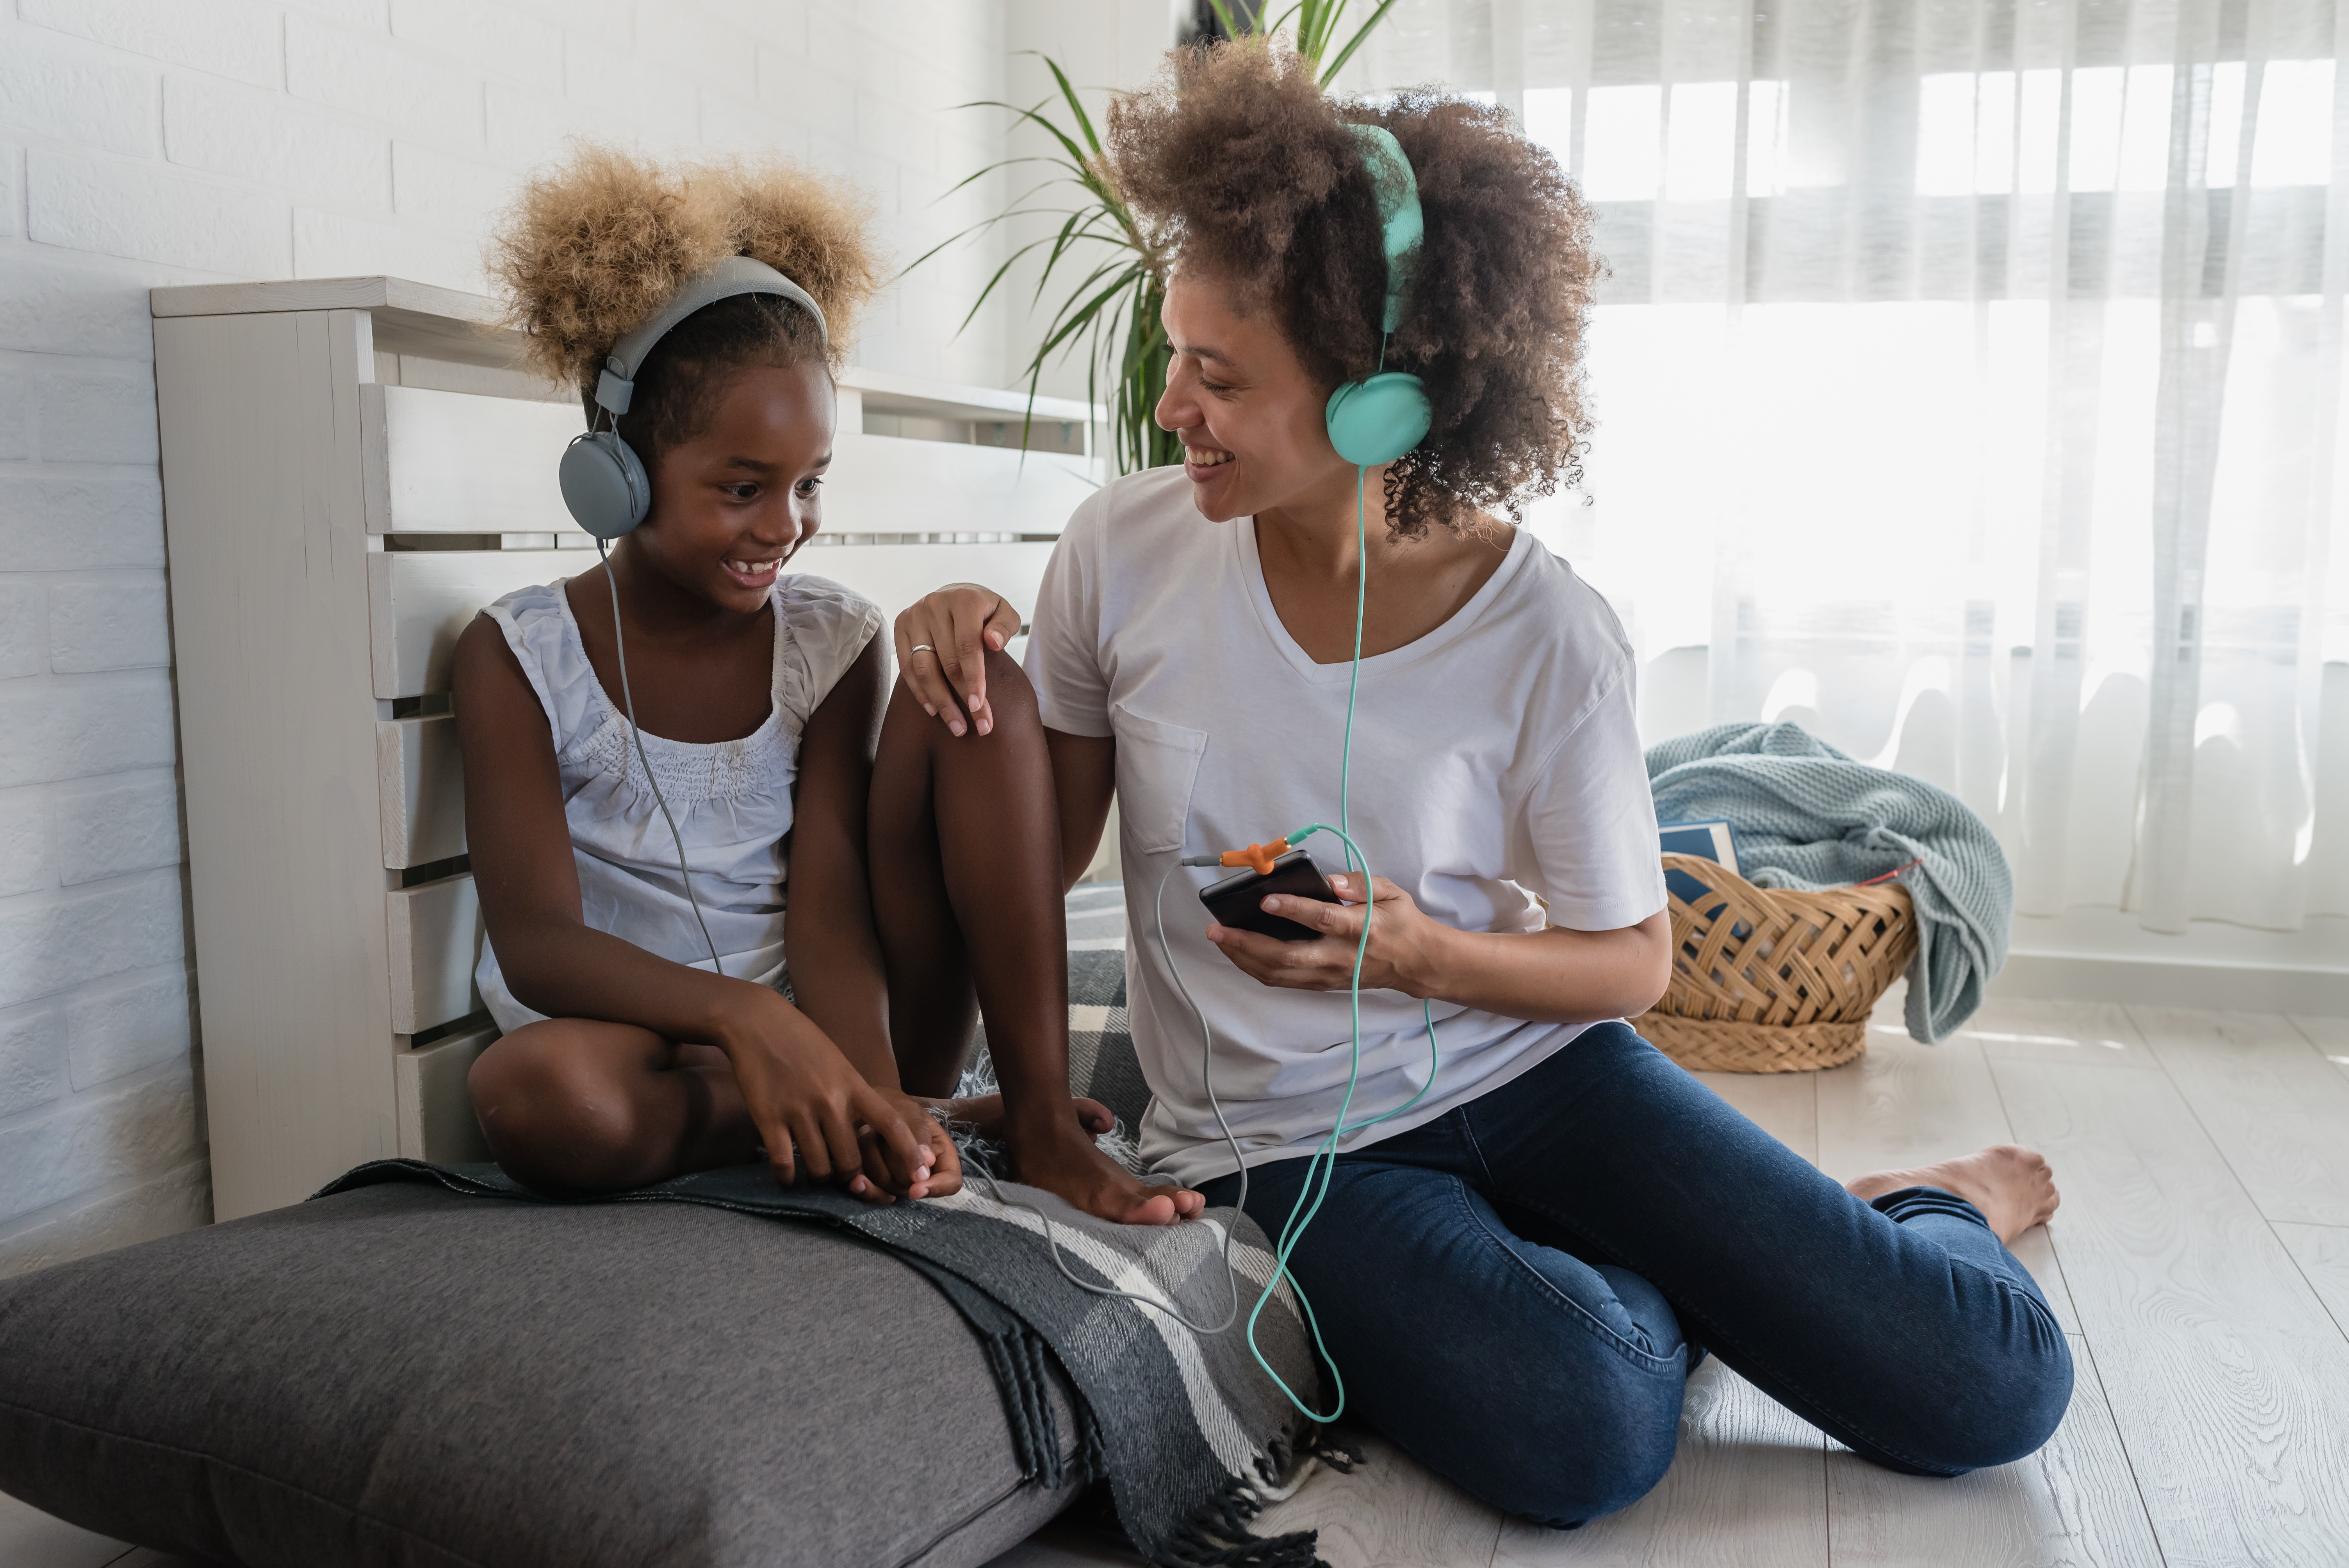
x=1514 y=1274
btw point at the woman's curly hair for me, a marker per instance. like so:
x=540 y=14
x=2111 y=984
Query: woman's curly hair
x=1245 y=168
x=590 y=250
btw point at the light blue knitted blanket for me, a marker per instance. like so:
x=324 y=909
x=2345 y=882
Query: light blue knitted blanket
x=1807 y=816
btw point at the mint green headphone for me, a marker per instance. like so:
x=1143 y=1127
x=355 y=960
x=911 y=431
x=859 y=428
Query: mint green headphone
x=1378 y=419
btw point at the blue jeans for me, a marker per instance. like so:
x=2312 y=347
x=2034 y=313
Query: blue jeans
x=1516 y=1291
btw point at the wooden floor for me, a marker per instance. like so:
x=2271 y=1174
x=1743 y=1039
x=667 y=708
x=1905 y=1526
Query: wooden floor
x=2200 y=1264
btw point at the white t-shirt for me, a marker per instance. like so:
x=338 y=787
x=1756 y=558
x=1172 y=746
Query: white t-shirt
x=1495 y=761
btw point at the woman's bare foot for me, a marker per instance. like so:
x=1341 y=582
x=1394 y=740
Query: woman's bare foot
x=2013 y=1186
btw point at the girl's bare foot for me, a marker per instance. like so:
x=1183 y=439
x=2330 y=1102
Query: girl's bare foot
x=984 y=1113
x=2011 y=1186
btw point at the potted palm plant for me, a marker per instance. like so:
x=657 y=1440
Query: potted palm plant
x=1109 y=312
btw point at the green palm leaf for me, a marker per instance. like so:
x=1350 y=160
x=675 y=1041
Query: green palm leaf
x=1112 y=296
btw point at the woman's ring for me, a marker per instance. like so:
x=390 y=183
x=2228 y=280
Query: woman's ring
x=920 y=648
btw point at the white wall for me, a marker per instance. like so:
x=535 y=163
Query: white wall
x=1104 y=46
x=167 y=142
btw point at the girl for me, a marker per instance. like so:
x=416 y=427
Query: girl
x=756 y=698
x=1514 y=1271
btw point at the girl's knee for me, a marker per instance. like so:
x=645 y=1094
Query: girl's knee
x=550 y=1112
x=1008 y=691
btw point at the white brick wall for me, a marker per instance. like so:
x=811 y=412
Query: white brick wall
x=163 y=142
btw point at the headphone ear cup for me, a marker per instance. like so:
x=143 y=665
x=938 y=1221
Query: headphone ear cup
x=1377 y=420
x=605 y=484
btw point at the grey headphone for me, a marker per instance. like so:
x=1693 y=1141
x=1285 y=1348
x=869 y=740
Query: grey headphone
x=603 y=482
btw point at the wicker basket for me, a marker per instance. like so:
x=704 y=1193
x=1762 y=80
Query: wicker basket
x=1770 y=980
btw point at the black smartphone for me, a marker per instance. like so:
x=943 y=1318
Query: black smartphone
x=1238 y=900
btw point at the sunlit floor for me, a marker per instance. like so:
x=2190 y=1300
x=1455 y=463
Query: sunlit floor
x=2200 y=1264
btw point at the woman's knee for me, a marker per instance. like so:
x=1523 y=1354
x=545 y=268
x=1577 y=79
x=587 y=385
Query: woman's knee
x=2033 y=1389
x=1993 y=1409
x=1577 y=1470
x=1564 y=1451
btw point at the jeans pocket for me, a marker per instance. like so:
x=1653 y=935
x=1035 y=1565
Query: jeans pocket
x=1157 y=765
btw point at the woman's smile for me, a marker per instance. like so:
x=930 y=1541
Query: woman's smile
x=1204 y=464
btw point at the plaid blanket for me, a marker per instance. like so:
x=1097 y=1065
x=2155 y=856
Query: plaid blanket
x=1191 y=1437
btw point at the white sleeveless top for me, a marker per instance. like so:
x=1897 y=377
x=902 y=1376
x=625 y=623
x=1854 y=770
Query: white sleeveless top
x=732 y=799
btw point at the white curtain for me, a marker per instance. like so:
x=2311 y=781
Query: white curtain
x=1969 y=386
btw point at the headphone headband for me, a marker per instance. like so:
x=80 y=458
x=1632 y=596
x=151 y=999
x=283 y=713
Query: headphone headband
x=734 y=275
x=1401 y=226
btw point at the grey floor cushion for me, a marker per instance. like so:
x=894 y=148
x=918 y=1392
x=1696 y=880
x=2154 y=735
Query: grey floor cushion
x=610 y=1384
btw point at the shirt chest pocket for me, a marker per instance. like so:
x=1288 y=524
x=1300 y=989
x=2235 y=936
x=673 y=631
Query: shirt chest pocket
x=1157 y=767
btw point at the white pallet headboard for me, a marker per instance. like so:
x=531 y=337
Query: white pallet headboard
x=352 y=469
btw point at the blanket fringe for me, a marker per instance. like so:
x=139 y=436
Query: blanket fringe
x=1218 y=1537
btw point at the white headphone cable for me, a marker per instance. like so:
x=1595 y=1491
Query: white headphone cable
x=620 y=651
x=1206 y=1071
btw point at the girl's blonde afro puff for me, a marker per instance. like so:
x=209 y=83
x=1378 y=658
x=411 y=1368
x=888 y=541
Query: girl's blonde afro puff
x=590 y=250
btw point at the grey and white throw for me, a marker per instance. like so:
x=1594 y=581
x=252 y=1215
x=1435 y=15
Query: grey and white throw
x=1190 y=1434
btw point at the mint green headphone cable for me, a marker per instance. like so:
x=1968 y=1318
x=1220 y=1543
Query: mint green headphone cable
x=1323 y=1161
x=1300 y=1214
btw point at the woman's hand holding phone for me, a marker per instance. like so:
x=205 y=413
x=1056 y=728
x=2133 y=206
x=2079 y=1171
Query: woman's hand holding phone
x=1405 y=947
x=956 y=627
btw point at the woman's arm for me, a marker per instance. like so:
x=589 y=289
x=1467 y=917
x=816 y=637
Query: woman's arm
x=800 y=1091
x=1084 y=782
x=1554 y=975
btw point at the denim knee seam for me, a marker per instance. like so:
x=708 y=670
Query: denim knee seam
x=1647 y=1360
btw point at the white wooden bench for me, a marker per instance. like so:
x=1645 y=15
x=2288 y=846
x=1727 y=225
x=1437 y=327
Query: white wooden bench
x=352 y=470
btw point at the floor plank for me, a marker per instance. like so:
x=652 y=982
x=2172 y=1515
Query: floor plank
x=2268 y=1099
x=31 y=1539
x=2075 y=1033
x=1901 y=1103
x=1059 y=1545
x=1744 y=1491
x=1784 y=1105
x=2329 y=1035
x=1904 y=1104
x=2073 y=1502
x=1389 y=1511
x=2227 y=1381
x=2323 y=1254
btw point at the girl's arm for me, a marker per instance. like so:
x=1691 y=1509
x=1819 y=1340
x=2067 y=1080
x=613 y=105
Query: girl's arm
x=1553 y=976
x=834 y=957
x=801 y=1089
